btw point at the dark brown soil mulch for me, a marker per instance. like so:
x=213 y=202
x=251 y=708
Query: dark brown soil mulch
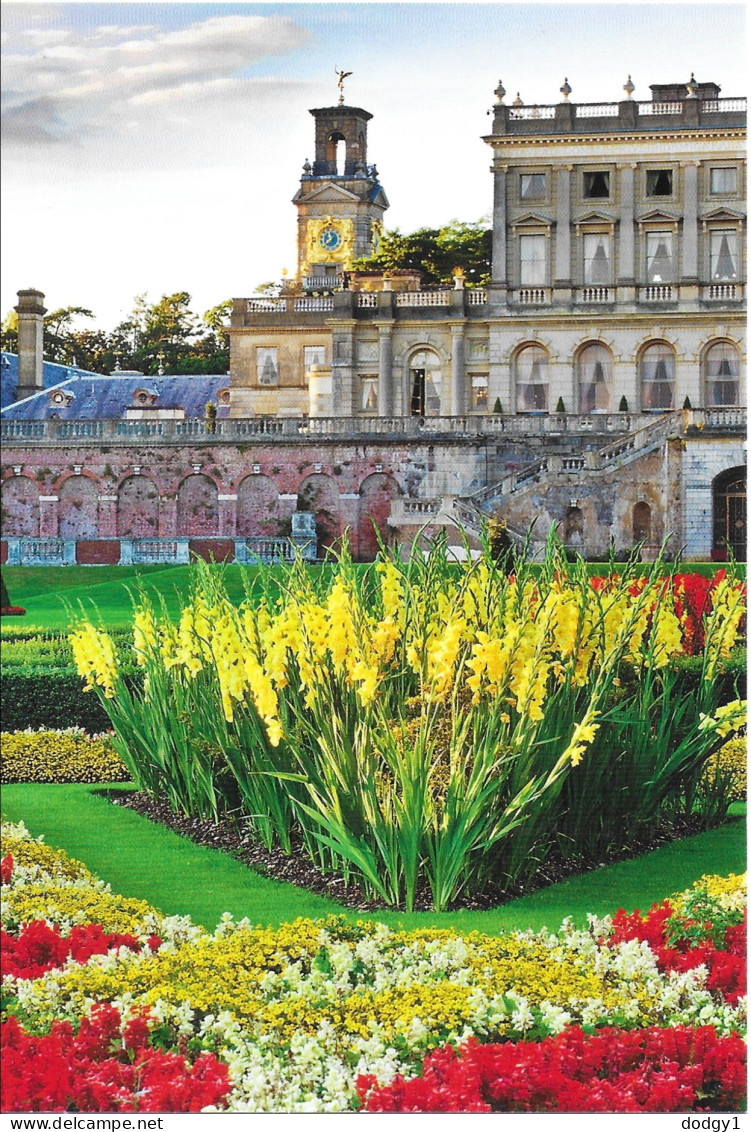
x=229 y=836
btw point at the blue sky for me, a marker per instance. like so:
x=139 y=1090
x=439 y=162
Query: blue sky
x=156 y=147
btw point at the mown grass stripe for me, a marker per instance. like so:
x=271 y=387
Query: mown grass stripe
x=142 y=859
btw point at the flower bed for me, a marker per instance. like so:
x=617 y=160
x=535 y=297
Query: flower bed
x=325 y=1015
x=12 y=611
x=509 y=710
x=68 y=755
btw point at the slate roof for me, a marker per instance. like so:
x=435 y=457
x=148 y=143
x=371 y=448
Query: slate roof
x=100 y=397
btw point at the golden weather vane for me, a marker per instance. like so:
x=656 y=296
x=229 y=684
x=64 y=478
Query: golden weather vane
x=342 y=76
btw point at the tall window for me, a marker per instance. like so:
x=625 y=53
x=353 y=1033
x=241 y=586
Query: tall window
x=595 y=373
x=532 y=186
x=369 y=394
x=597 y=258
x=723 y=181
x=532 y=380
x=479 y=385
x=532 y=267
x=597 y=184
x=658 y=377
x=314 y=356
x=722 y=374
x=659 y=182
x=660 y=257
x=723 y=254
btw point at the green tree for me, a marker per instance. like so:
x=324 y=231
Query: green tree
x=436 y=253
x=9 y=333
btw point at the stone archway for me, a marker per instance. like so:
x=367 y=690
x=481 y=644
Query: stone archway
x=137 y=508
x=78 y=508
x=729 y=514
x=318 y=493
x=19 y=508
x=197 y=507
x=376 y=494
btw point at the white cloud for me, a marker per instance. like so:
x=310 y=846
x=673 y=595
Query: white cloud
x=66 y=86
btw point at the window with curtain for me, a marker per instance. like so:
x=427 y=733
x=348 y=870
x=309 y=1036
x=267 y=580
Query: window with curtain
x=660 y=257
x=723 y=254
x=597 y=258
x=532 y=186
x=595 y=372
x=723 y=180
x=532 y=380
x=659 y=182
x=658 y=377
x=722 y=374
x=532 y=265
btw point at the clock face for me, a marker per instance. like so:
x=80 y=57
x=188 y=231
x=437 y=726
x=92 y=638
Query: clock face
x=330 y=239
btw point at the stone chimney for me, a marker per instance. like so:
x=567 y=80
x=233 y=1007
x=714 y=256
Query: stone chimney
x=31 y=312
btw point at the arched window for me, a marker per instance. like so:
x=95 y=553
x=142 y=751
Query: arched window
x=532 y=380
x=721 y=374
x=425 y=384
x=595 y=376
x=657 y=372
x=336 y=153
x=641 y=523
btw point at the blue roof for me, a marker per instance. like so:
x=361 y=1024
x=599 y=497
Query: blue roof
x=100 y=397
x=52 y=374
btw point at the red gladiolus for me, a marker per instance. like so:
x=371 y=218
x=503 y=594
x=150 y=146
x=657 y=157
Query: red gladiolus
x=102 y=1069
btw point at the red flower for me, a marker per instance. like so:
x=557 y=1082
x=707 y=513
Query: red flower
x=6 y=869
x=38 y=947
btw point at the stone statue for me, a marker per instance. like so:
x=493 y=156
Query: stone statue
x=342 y=76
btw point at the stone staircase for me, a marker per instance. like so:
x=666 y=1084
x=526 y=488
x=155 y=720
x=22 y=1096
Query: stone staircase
x=474 y=510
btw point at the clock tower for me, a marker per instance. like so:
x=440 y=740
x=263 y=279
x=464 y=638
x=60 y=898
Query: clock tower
x=340 y=203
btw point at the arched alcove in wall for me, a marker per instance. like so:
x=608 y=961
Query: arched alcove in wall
x=137 y=508
x=78 y=508
x=19 y=507
x=197 y=507
x=319 y=493
x=376 y=493
x=258 y=508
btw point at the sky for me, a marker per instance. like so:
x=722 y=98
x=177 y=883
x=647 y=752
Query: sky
x=156 y=147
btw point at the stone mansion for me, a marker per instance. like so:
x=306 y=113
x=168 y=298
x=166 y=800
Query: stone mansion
x=596 y=383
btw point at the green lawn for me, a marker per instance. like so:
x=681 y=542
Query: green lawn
x=141 y=859
x=48 y=593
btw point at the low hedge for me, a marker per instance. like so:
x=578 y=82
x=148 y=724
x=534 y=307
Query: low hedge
x=68 y=755
x=51 y=697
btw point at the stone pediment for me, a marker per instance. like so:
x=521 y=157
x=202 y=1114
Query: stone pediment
x=597 y=218
x=328 y=193
x=658 y=216
x=533 y=220
x=723 y=215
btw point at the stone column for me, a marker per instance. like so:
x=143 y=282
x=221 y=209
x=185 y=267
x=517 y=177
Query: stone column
x=385 y=370
x=31 y=312
x=563 y=228
x=626 y=258
x=458 y=374
x=49 y=519
x=342 y=367
x=690 y=258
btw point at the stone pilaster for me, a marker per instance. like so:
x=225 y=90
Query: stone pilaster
x=563 y=228
x=497 y=291
x=167 y=516
x=342 y=367
x=690 y=258
x=458 y=372
x=107 y=518
x=227 y=515
x=626 y=258
x=385 y=369
x=49 y=517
